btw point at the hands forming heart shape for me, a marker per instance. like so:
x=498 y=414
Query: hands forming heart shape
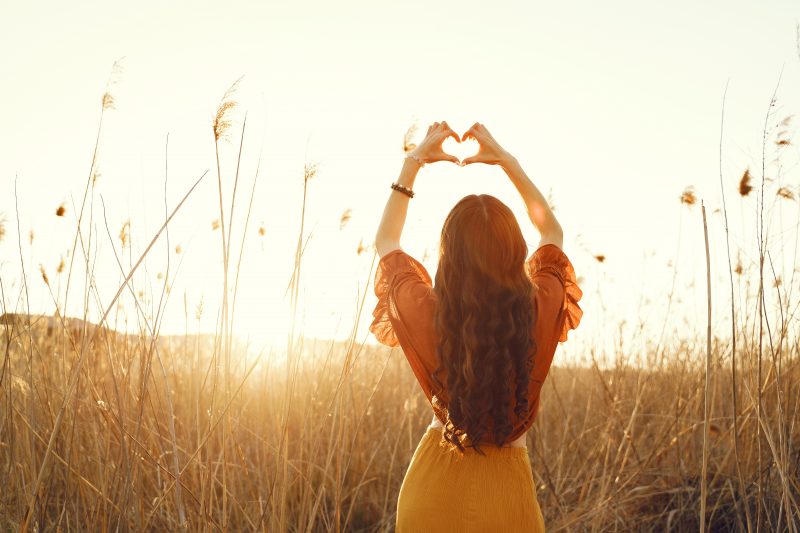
x=489 y=150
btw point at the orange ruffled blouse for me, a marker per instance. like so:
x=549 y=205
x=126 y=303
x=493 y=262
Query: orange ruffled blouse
x=404 y=314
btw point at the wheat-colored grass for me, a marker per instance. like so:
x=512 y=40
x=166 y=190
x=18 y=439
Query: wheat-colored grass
x=325 y=446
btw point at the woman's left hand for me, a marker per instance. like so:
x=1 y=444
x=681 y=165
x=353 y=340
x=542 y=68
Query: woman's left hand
x=430 y=149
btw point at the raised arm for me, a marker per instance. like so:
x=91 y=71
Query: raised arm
x=429 y=150
x=538 y=209
x=490 y=152
x=394 y=214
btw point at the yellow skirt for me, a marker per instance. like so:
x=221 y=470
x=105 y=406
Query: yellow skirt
x=444 y=492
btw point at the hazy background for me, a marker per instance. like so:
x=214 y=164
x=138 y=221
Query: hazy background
x=613 y=109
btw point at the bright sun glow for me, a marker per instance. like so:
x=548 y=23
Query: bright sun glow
x=584 y=126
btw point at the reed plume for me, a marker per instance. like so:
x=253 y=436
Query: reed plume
x=123 y=233
x=688 y=197
x=109 y=101
x=744 y=183
x=408 y=145
x=223 y=120
x=785 y=192
x=345 y=218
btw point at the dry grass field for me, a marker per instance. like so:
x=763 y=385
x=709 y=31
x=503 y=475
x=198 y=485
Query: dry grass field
x=101 y=431
x=322 y=444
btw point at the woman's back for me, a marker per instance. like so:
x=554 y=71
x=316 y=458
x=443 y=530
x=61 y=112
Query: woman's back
x=407 y=303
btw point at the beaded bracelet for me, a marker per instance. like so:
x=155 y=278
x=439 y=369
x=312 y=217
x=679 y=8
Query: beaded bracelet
x=416 y=158
x=405 y=190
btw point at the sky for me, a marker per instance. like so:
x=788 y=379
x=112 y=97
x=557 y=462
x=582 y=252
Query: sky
x=613 y=109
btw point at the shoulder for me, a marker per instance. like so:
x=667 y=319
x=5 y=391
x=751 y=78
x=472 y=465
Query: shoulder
x=397 y=261
x=406 y=300
x=556 y=290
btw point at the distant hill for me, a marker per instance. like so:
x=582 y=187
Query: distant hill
x=16 y=324
x=49 y=324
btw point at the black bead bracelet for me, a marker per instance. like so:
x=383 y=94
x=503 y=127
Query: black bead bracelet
x=405 y=190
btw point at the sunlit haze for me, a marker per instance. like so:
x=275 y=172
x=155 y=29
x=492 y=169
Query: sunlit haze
x=613 y=109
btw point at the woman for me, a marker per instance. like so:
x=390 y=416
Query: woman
x=480 y=343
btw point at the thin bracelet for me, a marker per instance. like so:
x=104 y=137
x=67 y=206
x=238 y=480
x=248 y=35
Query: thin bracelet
x=416 y=158
x=405 y=190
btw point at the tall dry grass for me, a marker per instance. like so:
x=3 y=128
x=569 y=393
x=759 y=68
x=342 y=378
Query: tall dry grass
x=112 y=432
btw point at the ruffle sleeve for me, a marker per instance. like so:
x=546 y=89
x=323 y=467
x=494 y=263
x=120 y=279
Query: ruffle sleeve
x=394 y=269
x=549 y=261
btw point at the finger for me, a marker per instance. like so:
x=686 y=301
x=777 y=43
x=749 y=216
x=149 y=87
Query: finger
x=451 y=158
x=444 y=156
x=450 y=133
x=475 y=134
x=468 y=134
x=470 y=160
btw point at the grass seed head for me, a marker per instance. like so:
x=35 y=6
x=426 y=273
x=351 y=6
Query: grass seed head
x=310 y=170
x=113 y=79
x=688 y=197
x=551 y=201
x=346 y=216
x=223 y=120
x=61 y=210
x=785 y=192
x=407 y=144
x=744 y=184
x=123 y=233
x=108 y=101
x=44 y=275
x=198 y=311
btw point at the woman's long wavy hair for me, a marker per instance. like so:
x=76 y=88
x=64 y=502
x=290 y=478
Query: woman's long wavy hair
x=484 y=322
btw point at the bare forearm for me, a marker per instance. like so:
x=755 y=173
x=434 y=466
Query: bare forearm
x=394 y=214
x=538 y=209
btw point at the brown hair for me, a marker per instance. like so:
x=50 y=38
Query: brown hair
x=484 y=321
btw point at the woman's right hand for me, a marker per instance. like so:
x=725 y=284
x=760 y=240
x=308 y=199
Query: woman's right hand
x=489 y=151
